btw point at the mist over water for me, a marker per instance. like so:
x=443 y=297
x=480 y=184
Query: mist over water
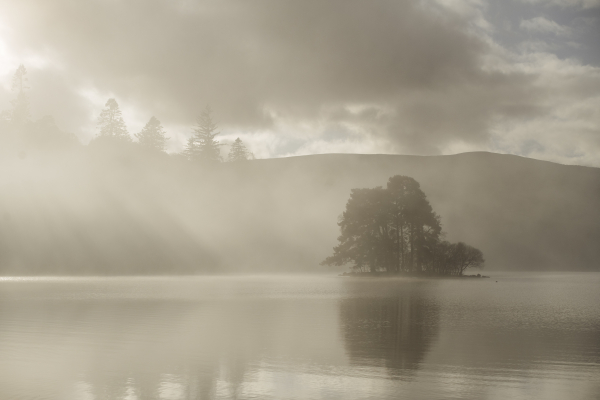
x=294 y=199
x=300 y=337
x=121 y=210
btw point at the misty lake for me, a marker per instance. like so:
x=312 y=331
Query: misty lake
x=527 y=336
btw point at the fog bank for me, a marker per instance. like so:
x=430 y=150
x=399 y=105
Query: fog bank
x=117 y=209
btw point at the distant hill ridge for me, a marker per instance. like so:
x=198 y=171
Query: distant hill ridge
x=123 y=211
x=523 y=213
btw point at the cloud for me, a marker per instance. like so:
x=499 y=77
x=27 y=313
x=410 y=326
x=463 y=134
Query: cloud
x=292 y=77
x=566 y=3
x=568 y=131
x=543 y=25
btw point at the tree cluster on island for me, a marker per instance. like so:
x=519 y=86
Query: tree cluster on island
x=395 y=230
x=201 y=145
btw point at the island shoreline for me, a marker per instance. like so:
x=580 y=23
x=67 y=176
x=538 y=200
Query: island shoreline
x=406 y=275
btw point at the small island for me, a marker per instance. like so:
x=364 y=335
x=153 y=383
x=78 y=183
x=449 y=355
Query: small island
x=394 y=231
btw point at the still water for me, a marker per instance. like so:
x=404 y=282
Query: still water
x=526 y=336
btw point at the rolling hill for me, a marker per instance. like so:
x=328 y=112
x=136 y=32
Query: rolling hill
x=98 y=210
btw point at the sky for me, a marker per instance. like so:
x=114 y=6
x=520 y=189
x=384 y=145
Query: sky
x=425 y=77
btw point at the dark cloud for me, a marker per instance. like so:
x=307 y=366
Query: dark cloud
x=421 y=66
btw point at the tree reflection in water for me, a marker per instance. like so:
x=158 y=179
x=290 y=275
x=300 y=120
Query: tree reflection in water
x=296 y=338
x=395 y=330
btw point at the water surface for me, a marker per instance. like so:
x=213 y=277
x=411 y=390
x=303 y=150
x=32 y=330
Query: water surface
x=525 y=336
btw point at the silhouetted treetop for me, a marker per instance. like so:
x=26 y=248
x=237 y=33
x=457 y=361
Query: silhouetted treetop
x=111 y=124
x=20 y=105
x=190 y=151
x=152 y=135
x=203 y=146
x=396 y=230
x=238 y=151
x=19 y=79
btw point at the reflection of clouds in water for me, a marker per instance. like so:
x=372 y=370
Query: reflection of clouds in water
x=170 y=387
x=122 y=343
x=130 y=392
x=81 y=391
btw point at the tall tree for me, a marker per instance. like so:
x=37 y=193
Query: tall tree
x=190 y=152
x=111 y=124
x=365 y=231
x=206 y=147
x=415 y=225
x=20 y=111
x=238 y=151
x=19 y=81
x=392 y=229
x=152 y=135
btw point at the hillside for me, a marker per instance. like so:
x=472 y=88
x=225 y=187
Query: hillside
x=522 y=213
x=99 y=210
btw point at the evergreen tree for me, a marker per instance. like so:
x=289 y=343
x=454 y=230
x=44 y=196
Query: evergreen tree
x=238 y=151
x=190 y=152
x=20 y=111
x=111 y=122
x=19 y=79
x=153 y=135
x=206 y=147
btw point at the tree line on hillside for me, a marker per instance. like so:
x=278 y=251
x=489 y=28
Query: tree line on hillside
x=201 y=145
x=395 y=230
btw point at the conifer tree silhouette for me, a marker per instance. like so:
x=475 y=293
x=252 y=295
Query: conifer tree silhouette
x=191 y=150
x=110 y=122
x=20 y=111
x=206 y=148
x=152 y=135
x=238 y=151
